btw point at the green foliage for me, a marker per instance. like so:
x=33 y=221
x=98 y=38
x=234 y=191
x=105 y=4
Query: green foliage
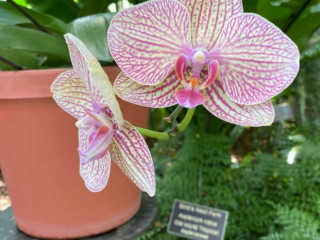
x=92 y=30
x=94 y=6
x=296 y=225
x=65 y=10
x=266 y=197
x=12 y=16
x=38 y=43
x=311 y=53
x=35 y=42
x=297 y=18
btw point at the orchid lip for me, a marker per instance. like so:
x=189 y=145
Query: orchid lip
x=98 y=147
x=100 y=131
x=190 y=96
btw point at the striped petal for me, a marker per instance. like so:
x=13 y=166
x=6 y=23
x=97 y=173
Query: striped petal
x=257 y=61
x=95 y=173
x=146 y=39
x=71 y=94
x=97 y=82
x=208 y=18
x=222 y=107
x=105 y=88
x=132 y=155
x=98 y=147
x=161 y=95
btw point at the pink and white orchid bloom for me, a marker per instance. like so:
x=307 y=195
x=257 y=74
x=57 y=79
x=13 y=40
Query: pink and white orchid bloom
x=208 y=52
x=87 y=95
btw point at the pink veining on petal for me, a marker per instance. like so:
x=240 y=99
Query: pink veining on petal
x=99 y=145
x=257 y=60
x=95 y=173
x=80 y=57
x=221 y=106
x=90 y=72
x=161 y=95
x=132 y=155
x=189 y=98
x=146 y=39
x=70 y=94
x=208 y=19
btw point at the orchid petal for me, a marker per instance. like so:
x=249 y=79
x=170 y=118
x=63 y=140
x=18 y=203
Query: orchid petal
x=131 y=153
x=189 y=98
x=222 y=107
x=98 y=145
x=208 y=18
x=161 y=95
x=257 y=61
x=97 y=83
x=94 y=173
x=102 y=83
x=71 y=94
x=146 y=39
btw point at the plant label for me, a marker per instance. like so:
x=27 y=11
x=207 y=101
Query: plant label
x=197 y=222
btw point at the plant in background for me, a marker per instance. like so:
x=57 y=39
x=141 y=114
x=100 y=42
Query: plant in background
x=202 y=52
x=40 y=26
x=168 y=71
x=86 y=94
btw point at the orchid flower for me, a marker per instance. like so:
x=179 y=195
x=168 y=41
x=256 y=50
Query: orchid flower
x=87 y=95
x=202 y=52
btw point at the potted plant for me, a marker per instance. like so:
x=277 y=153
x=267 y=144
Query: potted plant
x=39 y=141
x=230 y=62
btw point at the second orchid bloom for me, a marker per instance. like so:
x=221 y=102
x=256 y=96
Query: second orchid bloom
x=202 y=52
x=104 y=135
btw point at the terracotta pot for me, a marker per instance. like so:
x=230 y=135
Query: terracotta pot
x=40 y=163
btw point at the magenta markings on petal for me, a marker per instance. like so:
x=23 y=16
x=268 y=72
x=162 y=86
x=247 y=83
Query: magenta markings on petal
x=87 y=94
x=252 y=57
x=145 y=42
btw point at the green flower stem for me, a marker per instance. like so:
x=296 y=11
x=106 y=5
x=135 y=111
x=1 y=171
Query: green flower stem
x=173 y=116
x=165 y=135
x=153 y=134
x=187 y=119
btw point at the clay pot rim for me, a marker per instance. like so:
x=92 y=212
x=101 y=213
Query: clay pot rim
x=13 y=86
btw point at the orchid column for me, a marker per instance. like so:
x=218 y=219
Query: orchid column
x=202 y=52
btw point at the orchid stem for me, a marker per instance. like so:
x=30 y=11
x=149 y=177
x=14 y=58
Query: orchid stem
x=153 y=134
x=178 y=127
x=187 y=119
x=173 y=116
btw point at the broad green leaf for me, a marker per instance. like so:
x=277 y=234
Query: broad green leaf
x=65 y=10
x=11 y=16
x=279 y=14
x=18 y=38
x=25 y=59
x=94 y=6
x=21 y=2
x=92 y=31
x=311 y=53
x=301 y=30
x=250 y=5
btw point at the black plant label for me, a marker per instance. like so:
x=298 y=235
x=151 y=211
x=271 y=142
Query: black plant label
x=197 y=222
